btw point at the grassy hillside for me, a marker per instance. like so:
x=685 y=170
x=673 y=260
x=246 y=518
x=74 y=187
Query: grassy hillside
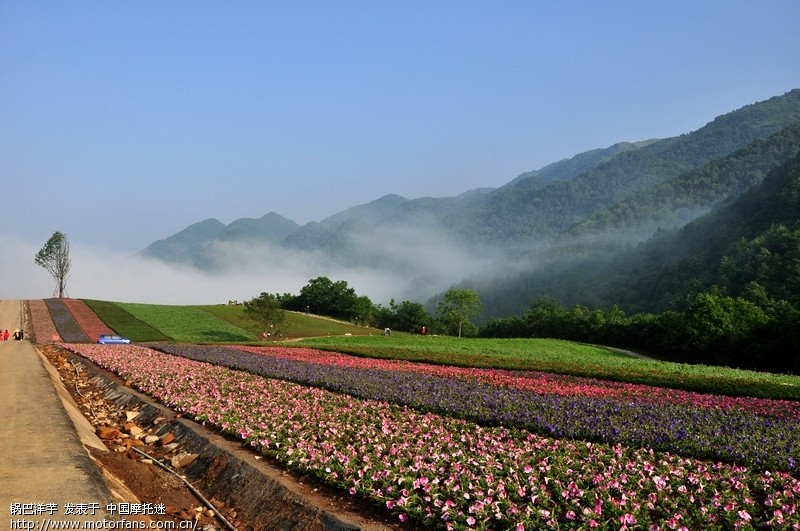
x=187 y=323
x=297 y=325
x=219 y=323
x=121 y=321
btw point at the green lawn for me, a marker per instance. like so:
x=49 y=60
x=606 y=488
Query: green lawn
x=187 y=324
x=122 y=322
x=296 y=325
x=218 y=323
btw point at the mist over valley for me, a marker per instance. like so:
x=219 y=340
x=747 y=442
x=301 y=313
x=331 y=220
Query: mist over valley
x=547 y=232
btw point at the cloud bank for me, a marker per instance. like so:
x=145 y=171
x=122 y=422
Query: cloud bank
x=418 y=268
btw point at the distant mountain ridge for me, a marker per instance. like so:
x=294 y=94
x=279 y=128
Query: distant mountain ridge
x=620 y=194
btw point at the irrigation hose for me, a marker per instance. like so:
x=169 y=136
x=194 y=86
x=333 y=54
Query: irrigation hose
x=77 y=377
x=190 y=486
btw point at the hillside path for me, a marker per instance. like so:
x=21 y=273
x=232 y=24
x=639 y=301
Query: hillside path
x=43 y=458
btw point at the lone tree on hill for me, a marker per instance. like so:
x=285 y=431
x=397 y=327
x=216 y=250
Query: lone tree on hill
x=266 y=310
x=459 y=305
x=54 y=257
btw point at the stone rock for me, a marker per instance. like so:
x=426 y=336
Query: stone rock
x=151 y=439
x=183 y=459
x=219 y=504
x=166 y=439
x=107 y=433
x=130 y=415
x=133 y=429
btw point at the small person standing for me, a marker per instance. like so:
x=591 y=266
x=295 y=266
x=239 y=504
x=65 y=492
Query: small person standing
x=5 y=335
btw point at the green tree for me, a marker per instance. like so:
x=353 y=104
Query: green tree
x=362 y=310
x=410 y=316
x=717 y=322
x=325 y=297
x=54 y=257
x=406 y=316
x=545 y=318
x=266 y=310
x=458 y=305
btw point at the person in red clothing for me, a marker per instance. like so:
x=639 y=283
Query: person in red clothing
x=5 y=335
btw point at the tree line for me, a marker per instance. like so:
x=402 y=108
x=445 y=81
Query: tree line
x=750 y=332
x=323 y=296
x=712 y=329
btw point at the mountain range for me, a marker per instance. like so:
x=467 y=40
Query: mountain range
x=550 y=232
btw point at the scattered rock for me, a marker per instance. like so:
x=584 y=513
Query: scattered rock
x=107 y=433
x=183 y=459
x=133 y=430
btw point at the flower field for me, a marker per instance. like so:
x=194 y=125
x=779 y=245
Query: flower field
x=687 y=429
x=43 y=329
x=468 y=450
x=65 y=322
x=565 y=357
x=543 y=382
x=88 y=321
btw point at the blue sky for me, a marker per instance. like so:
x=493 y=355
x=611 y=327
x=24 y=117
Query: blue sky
x=128 y=121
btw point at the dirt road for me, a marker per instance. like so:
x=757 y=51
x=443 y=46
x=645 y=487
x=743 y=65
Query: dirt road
x=43 y=460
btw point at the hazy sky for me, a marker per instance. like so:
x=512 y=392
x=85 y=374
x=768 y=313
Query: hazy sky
x=122 y=123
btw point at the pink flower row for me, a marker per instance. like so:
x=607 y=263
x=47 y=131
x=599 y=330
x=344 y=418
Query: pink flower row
x=89 y=322
x=430 y=468
x=43 y=330
x=545 y=383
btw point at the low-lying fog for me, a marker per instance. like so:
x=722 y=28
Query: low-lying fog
x=424 y=267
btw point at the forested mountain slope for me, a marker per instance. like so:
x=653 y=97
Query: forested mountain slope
x=532 y=214
x=747 y=247
x=179 y=247
x=676 y=201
